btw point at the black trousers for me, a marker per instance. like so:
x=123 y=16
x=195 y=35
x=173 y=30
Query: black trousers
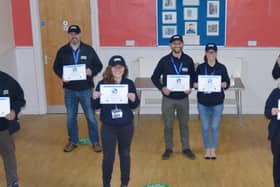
x=111 y=136
x=275 y=148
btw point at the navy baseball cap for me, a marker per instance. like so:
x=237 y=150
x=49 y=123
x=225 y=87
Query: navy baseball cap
x=176 y=37
x=211 y=46
x=117 y=60
x=74 y=28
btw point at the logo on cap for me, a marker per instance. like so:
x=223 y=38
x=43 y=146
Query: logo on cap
x=117 y=60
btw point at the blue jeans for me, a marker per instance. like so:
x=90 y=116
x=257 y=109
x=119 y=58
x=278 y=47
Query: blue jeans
x=208 y=115
x=111 y=137
x=72 y=99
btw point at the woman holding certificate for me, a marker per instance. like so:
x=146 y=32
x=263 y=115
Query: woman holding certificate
x=116 y=96
x=211 y=80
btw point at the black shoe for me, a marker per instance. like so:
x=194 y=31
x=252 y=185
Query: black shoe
x=124 y=186
x=166 y=155
x=188 y=153
x=70 y=147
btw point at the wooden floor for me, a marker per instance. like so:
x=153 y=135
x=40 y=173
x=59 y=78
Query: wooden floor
x=244 y=158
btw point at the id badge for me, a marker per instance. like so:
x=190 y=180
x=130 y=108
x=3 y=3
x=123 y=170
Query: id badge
x=117 y=113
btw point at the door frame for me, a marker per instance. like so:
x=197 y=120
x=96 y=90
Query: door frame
x=38 y=50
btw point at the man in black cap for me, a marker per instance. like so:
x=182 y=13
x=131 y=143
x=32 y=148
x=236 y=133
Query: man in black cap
x=76 y=54
x=179 y=64
x=11 y=92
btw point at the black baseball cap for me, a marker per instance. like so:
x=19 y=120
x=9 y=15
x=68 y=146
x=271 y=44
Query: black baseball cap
x=175 y=38
x=211 y=46
x=117 y=60
x=74 y=28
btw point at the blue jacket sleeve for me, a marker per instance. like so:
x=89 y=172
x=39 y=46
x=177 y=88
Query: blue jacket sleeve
x=156 y=77
x=225 y=77
x=132 y=89
x=96 y=102
x=16 y=95
x=58 y=64
x=270 y=103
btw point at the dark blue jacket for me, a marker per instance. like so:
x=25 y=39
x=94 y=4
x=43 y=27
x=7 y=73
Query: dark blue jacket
x=274 y=124
x=106 y=109
x=165 y=67
x=87 y=56
x=9 y=87
x=212 y=98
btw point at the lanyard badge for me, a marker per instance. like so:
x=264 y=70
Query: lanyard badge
x=178 y=71
x=117 y=113
x=76 y=55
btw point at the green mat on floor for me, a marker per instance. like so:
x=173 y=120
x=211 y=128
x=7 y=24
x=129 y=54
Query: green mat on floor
x=156 y=185
x=84 y=141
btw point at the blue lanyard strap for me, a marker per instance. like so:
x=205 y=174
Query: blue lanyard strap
x=76 y=55
x=178 y=71
x=206 y=73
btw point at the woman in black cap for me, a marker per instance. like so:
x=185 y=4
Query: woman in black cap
x=117 y=121
x=211 y=104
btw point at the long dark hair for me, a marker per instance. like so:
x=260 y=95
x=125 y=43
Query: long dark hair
x=108 y=75
x=206 y=60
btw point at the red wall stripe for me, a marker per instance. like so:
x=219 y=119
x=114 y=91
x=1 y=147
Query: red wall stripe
x=22 y=23
x=253 y=20
x=121 y=20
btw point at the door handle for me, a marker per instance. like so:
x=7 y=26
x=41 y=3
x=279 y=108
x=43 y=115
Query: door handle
x=46 y=59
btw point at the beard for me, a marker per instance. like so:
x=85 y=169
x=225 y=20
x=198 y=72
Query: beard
x=177 y=51
x=75 y=41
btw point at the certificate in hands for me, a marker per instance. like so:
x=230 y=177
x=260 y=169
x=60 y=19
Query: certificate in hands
x=178 y=83
x=5 y=107
x=74 y=72
x=114 y=94
x=209 y=83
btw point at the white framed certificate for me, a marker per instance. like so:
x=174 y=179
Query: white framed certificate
x=5 y=106
x=114 y=94
x=209 y=83
x=178 y=83
x=74 y=72
x=278 y=114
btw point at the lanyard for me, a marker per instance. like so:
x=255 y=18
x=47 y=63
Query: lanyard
x=76 y=55
x=178 y=71
x=205 y=71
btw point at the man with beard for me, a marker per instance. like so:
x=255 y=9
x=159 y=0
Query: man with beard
x=179 y=64
x=77 y=54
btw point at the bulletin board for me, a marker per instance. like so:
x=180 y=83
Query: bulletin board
x=199 y=21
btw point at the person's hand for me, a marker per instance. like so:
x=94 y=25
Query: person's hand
x=131 y=97
x=188 y=91
x=11 y=116
x=88 y=72
x=274 y=111
x=195 y=85
x=165 y=91
x=224 y=85
x=96 y=95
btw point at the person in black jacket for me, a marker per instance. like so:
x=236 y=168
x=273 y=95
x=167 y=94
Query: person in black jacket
x=117 y=121
x=276 y=69
x=272 y=112
x=176 y=63
x=211 y=105
x=9 y=88
x=74 y=53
